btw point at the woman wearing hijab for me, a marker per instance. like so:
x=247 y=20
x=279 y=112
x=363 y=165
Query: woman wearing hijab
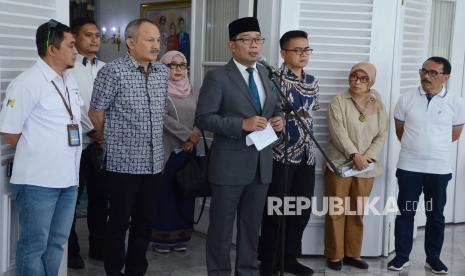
x=173 y=216
x=358 y=127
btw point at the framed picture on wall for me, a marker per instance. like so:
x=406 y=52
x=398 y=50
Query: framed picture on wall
x=173 y=19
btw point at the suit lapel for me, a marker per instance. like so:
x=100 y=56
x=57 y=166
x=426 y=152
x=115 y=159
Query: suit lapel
x=267 y=85
x=237 y=78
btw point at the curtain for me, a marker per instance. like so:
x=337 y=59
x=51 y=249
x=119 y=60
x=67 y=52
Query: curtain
x=442 y=28
x=79 y=8
x=219 y=14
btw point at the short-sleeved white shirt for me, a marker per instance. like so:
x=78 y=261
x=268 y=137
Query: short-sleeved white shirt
x=85 y=73
x=428 y=130
x=34 y=109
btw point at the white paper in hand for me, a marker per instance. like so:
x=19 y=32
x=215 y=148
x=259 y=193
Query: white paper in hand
x=261 y=138
x=348 y=171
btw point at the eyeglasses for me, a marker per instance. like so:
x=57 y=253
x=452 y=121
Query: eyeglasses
x=431 y=73
x=51 y=24
x=249 y=41
x=300 y=51
x=173 y=66
x=362 y=79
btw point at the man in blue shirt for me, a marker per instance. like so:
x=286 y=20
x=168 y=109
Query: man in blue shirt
x=184 y=40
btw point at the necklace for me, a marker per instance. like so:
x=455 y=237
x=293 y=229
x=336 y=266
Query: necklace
x=362 y=117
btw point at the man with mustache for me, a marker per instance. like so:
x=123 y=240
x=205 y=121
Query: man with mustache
x=127 y=107
x=427 y=120
x=40 y=116
x=87 y=35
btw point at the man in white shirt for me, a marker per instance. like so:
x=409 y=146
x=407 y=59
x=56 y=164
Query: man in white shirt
x=427 y=120
x=41 y=117
x=86 y=67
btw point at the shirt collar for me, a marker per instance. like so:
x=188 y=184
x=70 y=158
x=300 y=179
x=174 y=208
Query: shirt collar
x=48 y=72
x=83 y=60
x=442 y=94
x=242 y=68
x=346 y=94
x=290 y=74
x=134 y=63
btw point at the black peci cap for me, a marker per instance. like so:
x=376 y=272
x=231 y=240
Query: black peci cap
x=241 y=25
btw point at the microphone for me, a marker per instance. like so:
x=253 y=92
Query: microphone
x=270 y=68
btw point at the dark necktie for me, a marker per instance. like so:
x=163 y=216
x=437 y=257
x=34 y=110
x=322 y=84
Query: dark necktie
x=254 y=90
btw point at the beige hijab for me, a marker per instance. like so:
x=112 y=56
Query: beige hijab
x=372 y=104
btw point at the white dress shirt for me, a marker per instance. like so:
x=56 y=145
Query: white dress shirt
x=34 y=109
x=85 y=72
x=256 y=77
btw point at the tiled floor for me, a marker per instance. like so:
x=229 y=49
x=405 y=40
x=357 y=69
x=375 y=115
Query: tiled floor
x=192 y=263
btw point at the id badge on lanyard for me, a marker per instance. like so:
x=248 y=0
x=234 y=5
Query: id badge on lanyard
x=74 y=137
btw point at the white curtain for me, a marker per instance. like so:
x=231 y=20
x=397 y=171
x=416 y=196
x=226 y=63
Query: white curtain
x=219 y=14
x=442 y=27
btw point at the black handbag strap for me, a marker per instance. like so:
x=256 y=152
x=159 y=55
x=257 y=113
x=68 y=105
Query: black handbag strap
x=204 y=199
x=196 y=221
x=204 y=142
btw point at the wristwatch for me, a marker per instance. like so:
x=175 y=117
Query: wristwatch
x=352 y=155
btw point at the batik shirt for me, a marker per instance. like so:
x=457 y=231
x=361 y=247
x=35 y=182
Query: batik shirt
x=134 y=103
x=303 y=94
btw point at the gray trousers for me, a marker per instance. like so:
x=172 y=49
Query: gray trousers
x=248 y=202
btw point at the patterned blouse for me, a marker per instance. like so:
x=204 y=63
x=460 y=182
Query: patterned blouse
x=134 y=103
x=304 y=96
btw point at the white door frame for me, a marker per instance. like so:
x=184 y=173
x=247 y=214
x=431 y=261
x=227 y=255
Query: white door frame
x=457 y=86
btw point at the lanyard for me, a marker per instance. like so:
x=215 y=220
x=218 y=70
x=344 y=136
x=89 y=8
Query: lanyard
x=68 y=107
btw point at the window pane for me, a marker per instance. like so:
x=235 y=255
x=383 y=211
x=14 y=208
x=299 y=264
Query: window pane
x=219 y=14
x=442 y=28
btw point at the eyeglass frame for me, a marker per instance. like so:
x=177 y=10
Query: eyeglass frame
x=355 y=78
x=177 y=65
x=252 y=40
x=431 y=73
x=307 y=51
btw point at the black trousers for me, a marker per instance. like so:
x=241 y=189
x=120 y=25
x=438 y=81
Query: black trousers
x=434 y=188
x=300 y=183
x=131 y=206
x=97 y=207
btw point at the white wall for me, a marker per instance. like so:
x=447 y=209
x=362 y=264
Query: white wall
x=117 y=13
x=268 y=14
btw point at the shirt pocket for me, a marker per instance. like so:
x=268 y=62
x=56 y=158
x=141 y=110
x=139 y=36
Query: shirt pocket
x=77 y=104
x=75 y=97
